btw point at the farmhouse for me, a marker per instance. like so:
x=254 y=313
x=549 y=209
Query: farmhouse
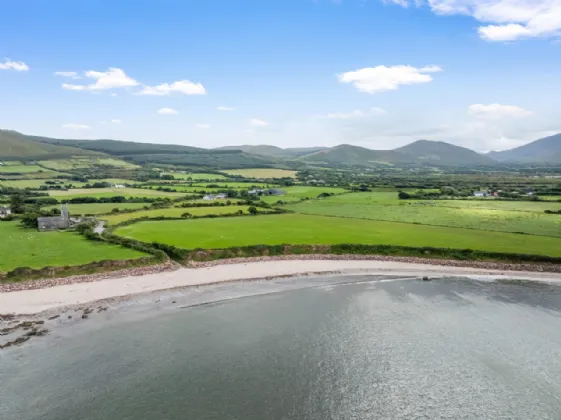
x=211 y=197
x=118 y=186
x=270 y=191
x=4 y=212
x=480 y=193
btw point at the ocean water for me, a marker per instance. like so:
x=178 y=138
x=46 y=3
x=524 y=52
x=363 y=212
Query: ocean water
x=332 y=348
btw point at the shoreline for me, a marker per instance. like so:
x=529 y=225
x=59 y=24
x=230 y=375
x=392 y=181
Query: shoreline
x=65 y=293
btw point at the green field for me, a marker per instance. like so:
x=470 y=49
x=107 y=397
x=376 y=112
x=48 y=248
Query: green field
x=504 y=216
x=28 y=248
x=98 y=208
x=196 y=176
x=84 y=163
x=23 y=169
x=262 y=173
x=304 y=229
x=173 y=212
x=296 y=193
x=110 y=192
x=36 y=183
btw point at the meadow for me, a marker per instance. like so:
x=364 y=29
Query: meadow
x=262 y=173
x=196 y=176
x=296 y=193
x=21 y=247
x=504 y=216
x=23 y=169
x=305 y=229
x=85 y=163
x=110 y=192
x=114 y=219
x=98 y=208
x=36 y=183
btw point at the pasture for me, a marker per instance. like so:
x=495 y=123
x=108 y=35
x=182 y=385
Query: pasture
x=23 y=169
x=114 y=219
x=110 y=192
x=85 y=163
x=28 y=248
x=295 y=193
x=98 y=208
x=261 y=173
x=504 y=216
x=196 y=176
x=304 y=229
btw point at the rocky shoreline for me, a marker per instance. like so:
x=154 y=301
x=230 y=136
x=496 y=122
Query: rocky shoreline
x=171 y=266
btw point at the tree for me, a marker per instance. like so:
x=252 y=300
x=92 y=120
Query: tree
x=17 y=203
x=403 y=195
x=252 y=210
x=186 y=215
x=29 y=220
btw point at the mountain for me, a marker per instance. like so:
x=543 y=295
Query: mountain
x=353 y=155
x=266 y=150
x=546 y=150
x=17 y=146
x=439 y=152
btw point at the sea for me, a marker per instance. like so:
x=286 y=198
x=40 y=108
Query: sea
x=321 y=348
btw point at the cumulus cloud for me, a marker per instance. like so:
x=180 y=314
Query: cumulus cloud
x=254 y=122
x=71 y=126
x=167 y=111
x=224 y=108
x=357 y=113
x=503 y=20
x=382 y=78
x=113 y=78
x=184 y=87
x=498 y=111
x=202 y=126
x=70 y=74
x=13 y=65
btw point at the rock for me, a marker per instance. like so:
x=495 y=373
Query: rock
x=39 y=322
x=69 y=316
x=426 y=278
x=54 y=317
x=85 y=316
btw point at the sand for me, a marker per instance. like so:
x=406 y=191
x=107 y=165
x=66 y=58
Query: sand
x=39 y=300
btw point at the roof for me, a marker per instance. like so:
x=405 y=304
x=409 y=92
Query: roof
x=48 y=219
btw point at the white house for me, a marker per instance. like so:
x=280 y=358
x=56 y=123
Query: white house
x=480 y=193
x=209 y=197
x=118 y=186
x=4 y=212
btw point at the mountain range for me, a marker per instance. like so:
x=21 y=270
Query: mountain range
x=18 y=146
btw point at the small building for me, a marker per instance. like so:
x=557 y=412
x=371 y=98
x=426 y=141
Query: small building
x=221 y=196
x=54 y=223
x=480 y=194
x=209 y=197
x=255 y=192
x=5 y=212
x=275 y=191
x=118 y=186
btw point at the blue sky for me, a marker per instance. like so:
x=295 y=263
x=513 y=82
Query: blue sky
x=479 y=73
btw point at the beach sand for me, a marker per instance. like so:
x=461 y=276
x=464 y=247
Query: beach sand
x=40 y=300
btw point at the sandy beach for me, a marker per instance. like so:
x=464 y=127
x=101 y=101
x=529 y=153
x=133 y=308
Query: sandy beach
x=39 y=300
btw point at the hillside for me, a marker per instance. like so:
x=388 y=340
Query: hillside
x=347 y=154
x=266 y=150
x=546 y=150
x=119 y=147
x=17 y=146
x=439 y=152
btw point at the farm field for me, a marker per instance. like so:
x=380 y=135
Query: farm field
x=28 y=248
x=23 y=168
x=98 y=208
x=82 y=163
x=438 y=213
x=196 y=176
x=295 y=193
x=304 y=229
x=173 y=212
x=262 y=173
x=110 y=192
x=36 y=183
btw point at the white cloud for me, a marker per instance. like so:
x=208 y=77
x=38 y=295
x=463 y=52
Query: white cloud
x=116 y=121
x=257 y=122
x=183 y=86
x=71 y=126
x=224 y=108
x=113 y=78
x=505 y=20
x=498 y=111
x=13 y=65
x=202 y=126
x=382 y=78
x=114 y=95
x=357 y=113
x=71 y=74
x=167 y=111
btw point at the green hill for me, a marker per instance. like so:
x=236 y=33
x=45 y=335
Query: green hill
x=347 y=154
x=441 y=153
x=266 y=150
x=17 y=146
x=546 y=150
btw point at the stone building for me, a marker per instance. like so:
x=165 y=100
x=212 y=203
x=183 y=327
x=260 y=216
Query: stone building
x=56 y=222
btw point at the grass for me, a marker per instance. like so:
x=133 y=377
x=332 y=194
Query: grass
x=262 y=173
x=98 y=208
x=296 y=193
x=84 y=163
x=196 y=176
x=110 y=192
x=515 y=217
x=28 y=248
x=304 y=229
x=23 y=169
x=36 y=183
x=173 y=212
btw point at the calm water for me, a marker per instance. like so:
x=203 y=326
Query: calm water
x=373 y=350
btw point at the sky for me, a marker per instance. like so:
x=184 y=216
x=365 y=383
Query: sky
x=483 y=74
